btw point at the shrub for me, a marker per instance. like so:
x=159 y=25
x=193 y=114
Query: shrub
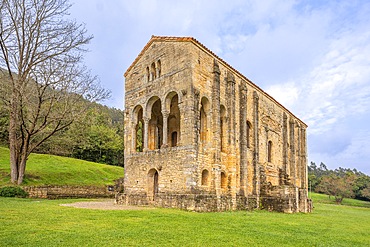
x=10 y=191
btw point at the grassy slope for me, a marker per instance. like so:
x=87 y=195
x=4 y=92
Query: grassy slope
x=321 y=198
x=45 y=223
x=54 y=170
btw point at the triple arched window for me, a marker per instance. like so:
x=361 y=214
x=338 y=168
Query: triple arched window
x=158 y=124
x=153 y=71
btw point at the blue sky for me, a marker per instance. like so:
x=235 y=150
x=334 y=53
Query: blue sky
x=312 y=56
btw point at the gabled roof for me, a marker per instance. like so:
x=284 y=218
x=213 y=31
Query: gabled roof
x=204 y=48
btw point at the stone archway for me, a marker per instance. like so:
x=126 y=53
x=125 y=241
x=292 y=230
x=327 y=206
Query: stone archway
x=152 y=184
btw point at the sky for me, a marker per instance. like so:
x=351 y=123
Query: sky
x=312 y=56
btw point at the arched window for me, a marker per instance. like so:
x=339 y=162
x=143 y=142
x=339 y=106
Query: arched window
x=153 y=71
x=223 y=181
x=159 y=68
x=173 y=121
x=152 y=183
x=147 y=74
x=204 y=119
x=249 y=130
x=205 y=176
x=155 y=128
x=269 y=151
x=223 y=128
x=138 y=137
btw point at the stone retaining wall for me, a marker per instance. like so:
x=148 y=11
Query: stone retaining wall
x=56 y=192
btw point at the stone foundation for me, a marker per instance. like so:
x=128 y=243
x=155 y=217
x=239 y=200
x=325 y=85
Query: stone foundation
x=190 y=202
x=285 y=201
x=57 y=192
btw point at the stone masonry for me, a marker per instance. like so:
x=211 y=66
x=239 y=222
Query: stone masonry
x=200 y=136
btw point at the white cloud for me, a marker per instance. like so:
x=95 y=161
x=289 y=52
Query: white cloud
x=287 y=94
x=355 y=152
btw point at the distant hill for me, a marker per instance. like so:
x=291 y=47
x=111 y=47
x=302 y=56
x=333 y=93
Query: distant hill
x=43 y=169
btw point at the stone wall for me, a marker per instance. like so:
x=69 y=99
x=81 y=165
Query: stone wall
x=190 y=202
x=57 y=192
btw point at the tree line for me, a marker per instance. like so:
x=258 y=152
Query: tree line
x=340 y=183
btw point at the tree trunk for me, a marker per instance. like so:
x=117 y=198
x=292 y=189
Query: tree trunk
x=22 y=167
x=338 y=200
x=13 y=138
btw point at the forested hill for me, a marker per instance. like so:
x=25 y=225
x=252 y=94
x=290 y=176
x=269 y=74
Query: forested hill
x=97 y=137
x=340 y=183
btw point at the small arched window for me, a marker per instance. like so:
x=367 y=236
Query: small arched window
x=223 y=128
x=269 y=151
x=153 y=71
x=159 y=68
x=249 y=130
x=223 y=181
x=204 y=120
x=205 y=175
x=147 y=74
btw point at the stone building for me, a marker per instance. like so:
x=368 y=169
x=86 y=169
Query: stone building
x=200 y=136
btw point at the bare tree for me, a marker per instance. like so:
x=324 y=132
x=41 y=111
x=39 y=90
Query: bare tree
x=45 y=84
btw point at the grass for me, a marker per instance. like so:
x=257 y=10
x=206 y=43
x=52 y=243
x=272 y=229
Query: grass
x=27 y=222
x=30 y=222
x=43 y=169
x=321 y=198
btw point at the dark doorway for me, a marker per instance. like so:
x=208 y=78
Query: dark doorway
x=174 y=139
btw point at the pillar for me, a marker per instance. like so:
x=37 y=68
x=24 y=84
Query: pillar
x=285 y=148
x=243 y=138
x=292 y=152
x=165 y=115
x=146 y=134
x=256 y=147
x=215 y=123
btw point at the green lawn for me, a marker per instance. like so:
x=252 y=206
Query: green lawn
x=321 y=198
x=43 y=169
x=30 y=222
x=27 y=222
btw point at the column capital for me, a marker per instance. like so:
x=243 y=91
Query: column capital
x=165 y=113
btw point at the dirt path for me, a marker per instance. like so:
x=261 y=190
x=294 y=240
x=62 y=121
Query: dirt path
x=104 y=205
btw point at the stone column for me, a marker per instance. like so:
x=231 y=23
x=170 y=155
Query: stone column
x=133 y=139
x=256 y=147
x=299 y=157
x=183 y=124
x=196 y=118
x=304 y=167
x=243 y=138
x=165 y=115
x=231 y=109
x=146 y=133
x=292 y=152
x=216 y=127
x=285 y=148
x=216 y=121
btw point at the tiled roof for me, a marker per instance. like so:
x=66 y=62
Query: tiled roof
x=203 y=47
